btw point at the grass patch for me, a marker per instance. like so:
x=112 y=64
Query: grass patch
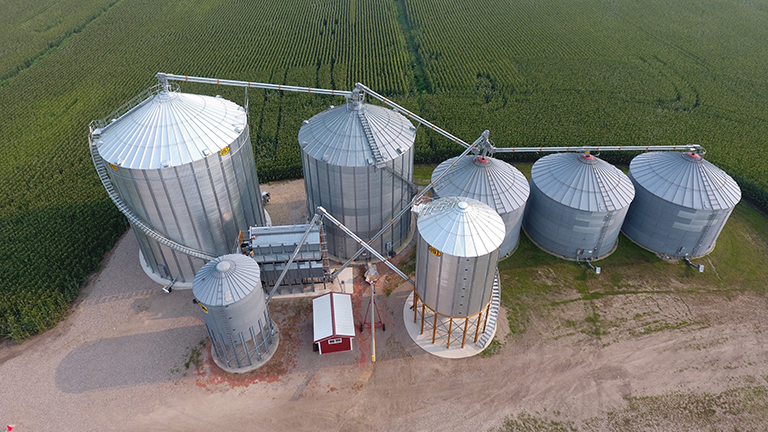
x=738 y=409
x=195 y=353
x=493 y=348
x=422 y=174
x=533 y=280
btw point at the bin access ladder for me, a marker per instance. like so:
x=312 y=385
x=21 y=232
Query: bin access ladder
x=370 y=138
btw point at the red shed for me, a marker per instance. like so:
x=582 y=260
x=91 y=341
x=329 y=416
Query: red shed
x=334 y=324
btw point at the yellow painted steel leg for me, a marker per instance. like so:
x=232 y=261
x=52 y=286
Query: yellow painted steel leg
x=464 y=338
x=423 y=306
x=450 y=327
x=477 y=330
x=434 y=329
x=485 y=324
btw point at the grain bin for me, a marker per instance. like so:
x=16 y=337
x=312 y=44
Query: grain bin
x=228 y=290
x=577 y=205
x=491 y=181
x=457 y=253
x=183 y=163
x=358 y=165
x=682 y=203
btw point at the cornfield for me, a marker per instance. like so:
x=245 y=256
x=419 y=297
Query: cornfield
x=536 y=73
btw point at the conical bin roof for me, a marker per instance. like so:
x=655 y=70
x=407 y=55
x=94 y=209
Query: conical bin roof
x=685 y=179
x=226 y=280
x=461 y=226
x=171 y=129
x=582 y=182
x=481 y=178
x=337 y=137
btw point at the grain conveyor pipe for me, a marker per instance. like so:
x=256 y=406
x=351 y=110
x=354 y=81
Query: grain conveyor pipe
x=410 y=114
x=362 y=243
x=690 y=147
x=165 y=77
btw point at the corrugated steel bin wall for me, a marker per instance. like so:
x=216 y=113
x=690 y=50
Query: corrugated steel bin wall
x=203 y=205
x=563 y=230
x=363 y=198
x=664 y=227
x=454 y=286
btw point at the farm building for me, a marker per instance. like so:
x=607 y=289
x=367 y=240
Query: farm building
x=333 y=322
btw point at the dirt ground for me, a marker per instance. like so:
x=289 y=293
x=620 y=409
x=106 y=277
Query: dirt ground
x=129 y=357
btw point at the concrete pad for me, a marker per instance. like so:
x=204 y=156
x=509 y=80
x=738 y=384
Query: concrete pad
x=424 y=340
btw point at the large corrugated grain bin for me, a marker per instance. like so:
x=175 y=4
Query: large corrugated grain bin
x=358 y=165
x=183 y=163
x=681 y=205
x=577 y=205
x=492 y=182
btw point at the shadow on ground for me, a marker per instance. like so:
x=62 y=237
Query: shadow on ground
x=127 y=360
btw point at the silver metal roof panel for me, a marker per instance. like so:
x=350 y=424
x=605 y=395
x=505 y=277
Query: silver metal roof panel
x=483 y=179
x=226 y=280
x=685 y=179
x=582 y=182
x=337 y=137
x=461 y=226
x=171 y=129
x=283 y=235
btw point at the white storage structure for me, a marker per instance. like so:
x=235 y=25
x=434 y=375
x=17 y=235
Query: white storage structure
x=333 y=322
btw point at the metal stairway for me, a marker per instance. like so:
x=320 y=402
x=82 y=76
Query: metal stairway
x=324 y=252
x=378 y=159
x=98 y=162
x=493 y=313
x=371 y=139
x=610 y=207
x=714 y=204
x=496 y=195
x=603 y=231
